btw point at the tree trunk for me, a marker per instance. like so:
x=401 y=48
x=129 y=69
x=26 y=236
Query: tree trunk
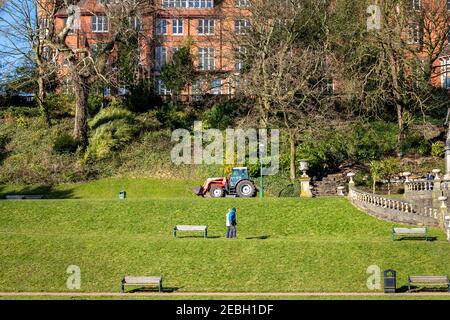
x=81 y=89
x=41 y=96
x=401 y=130
x=292 y=158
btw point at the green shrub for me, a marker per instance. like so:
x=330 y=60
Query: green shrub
x=221 y=115
x=172 y=117
x=112 y=129
x=95 y=103
x=61 y=105
x=65 y=143
x=18 y=111
x=22 y=121
x=415 y=143
x=438 y=149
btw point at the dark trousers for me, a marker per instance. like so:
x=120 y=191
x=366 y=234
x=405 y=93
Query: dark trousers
x=228 y=232
x=232 y=232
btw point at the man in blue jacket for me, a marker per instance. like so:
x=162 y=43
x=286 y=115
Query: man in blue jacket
x=231 y=224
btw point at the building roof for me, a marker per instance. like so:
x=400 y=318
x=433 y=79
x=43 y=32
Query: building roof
x=87 y=7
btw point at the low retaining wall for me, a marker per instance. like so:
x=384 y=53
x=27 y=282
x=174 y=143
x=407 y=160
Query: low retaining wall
x=394 y=209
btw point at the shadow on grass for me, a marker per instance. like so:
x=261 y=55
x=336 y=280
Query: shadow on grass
x=153 y=290
x=415 y=289
x=48 y=192
x=417 y=239
x=265 y=237
x=198 y=237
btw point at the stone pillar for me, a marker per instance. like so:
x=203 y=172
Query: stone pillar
x=447 y=157
x=351 y=184
x=305 y=187
x=443 y=212
x=437 y=191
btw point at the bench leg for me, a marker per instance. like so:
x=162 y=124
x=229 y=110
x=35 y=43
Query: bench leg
x=160 y=286
x=206 y=233
x=409 y=286
x=174 y=233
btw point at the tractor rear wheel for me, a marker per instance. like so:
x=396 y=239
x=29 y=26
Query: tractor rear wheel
x=217 y=192
x=246 y=189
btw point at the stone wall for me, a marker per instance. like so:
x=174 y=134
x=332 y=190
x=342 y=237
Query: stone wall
x=394 y=210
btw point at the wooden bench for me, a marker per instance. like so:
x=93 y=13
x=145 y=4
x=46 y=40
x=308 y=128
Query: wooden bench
x=410 y=232
x=24 y=197
x=429 y=281
x=191 y=229
x=141 y=281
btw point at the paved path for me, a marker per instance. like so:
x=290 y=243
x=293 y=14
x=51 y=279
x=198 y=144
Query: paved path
x=219 y=294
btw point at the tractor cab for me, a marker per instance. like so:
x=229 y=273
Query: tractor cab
x=237 y=175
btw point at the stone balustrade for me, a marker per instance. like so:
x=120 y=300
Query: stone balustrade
x=394 y=209
x=419 y=185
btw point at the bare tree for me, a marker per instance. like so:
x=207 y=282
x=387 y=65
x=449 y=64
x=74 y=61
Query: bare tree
x=92 y=62
x=285 y=52
x=23 y=34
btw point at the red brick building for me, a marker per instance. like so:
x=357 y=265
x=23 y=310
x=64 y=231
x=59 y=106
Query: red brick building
x=209 y=26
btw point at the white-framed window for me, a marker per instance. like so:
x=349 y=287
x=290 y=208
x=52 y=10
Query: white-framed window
x=242 y=3
x=197 y=90
x=445 y=73
x=206 y=26
x=228 y=87
x=161 y=88
x=160 y=57
x=161 y=26
x=216 y=87
x=239 y=58
x=100 y=24
x=414 y=33
x=136 y=23
x=241 y=26
x=43 y=27
x=177 y=26
x=206 y=59
x=416 y=4
x=188 y=3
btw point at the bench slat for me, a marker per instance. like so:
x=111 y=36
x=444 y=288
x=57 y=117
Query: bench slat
x=142 y=280
x=410 y=231
x=428 y=279
x=191 y=228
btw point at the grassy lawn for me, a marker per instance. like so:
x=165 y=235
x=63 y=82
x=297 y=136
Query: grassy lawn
x=283 y=245
x=109 y=189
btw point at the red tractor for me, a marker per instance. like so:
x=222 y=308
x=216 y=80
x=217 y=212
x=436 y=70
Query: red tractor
x=238 y=184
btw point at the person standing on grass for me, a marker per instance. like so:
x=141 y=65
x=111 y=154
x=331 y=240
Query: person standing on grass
x=229 y=220
x=233 y=223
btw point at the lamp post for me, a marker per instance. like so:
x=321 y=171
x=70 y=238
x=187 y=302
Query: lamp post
x=261 y=182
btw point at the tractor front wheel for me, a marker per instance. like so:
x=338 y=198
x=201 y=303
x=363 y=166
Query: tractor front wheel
x=217 y=192
x=246 y=189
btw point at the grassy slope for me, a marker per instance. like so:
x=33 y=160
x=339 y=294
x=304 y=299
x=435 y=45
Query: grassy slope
x=284 y=244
